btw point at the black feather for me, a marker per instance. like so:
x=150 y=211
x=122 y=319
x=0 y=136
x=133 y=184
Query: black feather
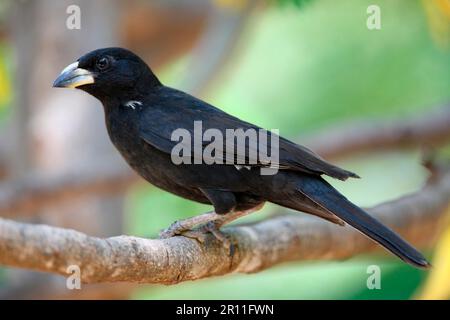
x=321 y=192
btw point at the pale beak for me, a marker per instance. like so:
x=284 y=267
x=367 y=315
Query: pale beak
x=73 y=77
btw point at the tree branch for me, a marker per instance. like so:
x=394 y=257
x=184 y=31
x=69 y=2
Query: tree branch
x=36 y=192
x=427 y=130
x=257 y=247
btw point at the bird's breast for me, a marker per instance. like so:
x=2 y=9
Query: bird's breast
x=123 y=129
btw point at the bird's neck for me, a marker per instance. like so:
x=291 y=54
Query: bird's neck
x=146 y=84
x=144 y=87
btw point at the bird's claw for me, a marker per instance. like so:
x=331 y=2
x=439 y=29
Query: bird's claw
x=173 y=230
x=178 y=229
x=213 y=227
x=199 y=234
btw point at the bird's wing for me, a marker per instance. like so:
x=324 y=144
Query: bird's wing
x=172 y=109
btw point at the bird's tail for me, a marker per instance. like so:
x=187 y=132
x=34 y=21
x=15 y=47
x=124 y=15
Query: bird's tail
x=322 y=193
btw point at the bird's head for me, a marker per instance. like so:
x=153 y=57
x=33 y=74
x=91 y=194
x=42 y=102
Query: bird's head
x=109 y=72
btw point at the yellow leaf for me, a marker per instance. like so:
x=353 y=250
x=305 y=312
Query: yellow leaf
x=437 y=286
x=5 y=86
x=438 y=15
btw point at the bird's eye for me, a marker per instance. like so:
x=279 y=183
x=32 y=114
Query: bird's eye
x=102 y=64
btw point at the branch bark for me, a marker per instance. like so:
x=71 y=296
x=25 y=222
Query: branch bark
x=257 y=246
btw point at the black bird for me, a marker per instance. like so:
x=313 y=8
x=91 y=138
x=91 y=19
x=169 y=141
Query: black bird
x=141 y=114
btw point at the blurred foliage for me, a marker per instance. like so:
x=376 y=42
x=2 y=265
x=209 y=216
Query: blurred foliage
x=321 y=64
x=295 y=2
x=300 y=69
x=5 y=80
x=238 y=4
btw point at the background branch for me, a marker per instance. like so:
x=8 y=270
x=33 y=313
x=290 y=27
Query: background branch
x=431 y=129
x=36 y=192
x=258 y=246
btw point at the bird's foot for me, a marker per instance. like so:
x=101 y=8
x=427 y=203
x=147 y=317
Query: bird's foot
x=177 y=229
x=181 y=226
x=213 y=227
x=174 y=229
x=210 y=222
x=187 y=225
x=196 y=234
x=200 y=233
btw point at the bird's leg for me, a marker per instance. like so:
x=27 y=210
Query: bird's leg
x=182 y=226
x=209 y=222
x=214 y=226
x=234 y=215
